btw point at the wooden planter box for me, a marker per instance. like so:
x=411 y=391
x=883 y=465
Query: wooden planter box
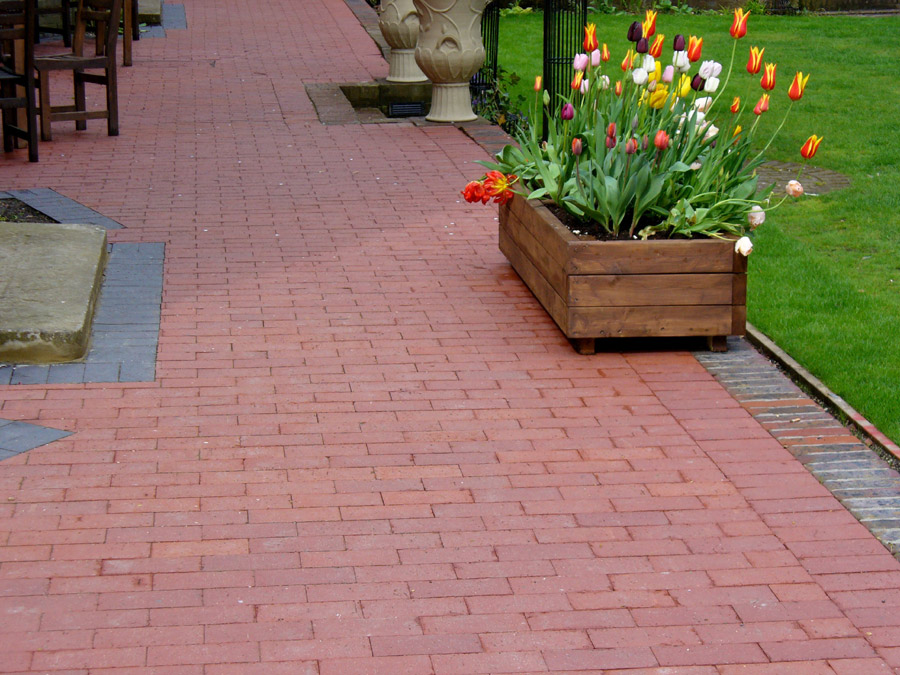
x=600 y=289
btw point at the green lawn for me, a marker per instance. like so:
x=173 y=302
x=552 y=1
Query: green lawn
x=825 y=272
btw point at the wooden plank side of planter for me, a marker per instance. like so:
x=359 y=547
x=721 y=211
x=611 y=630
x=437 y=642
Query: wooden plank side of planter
x=539 y=286
x=537 y=253
x=626 y=290
x=650 y=321
x=542 y=225
x=680 y=256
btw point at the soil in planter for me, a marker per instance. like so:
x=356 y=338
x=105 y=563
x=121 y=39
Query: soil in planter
x=588 y=230
x=15 y=211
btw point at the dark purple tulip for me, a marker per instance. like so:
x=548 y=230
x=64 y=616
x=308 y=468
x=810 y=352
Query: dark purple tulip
x=697 y=83
x=568 y=111
x=635 y=31
x=643 y=46
x=678 y=43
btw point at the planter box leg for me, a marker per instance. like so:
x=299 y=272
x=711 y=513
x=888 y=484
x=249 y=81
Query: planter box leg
x=717 y=343
x=584 y=345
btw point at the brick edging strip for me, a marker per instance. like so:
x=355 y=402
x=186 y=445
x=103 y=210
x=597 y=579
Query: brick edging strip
x=831 y=400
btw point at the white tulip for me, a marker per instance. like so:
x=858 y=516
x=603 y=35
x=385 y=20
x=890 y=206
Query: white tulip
x=710 y=69
x=639 y=75
x=711 y=85
x=681 y=61
x=743 y=246
x=703 y=104
x=756 y=217
x=794 y=188
x=649 y=63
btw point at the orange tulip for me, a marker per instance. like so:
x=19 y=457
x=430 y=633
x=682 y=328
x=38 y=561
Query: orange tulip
x=809 y=148
x=590 y=38
x=649 y=23
x=537 y=83
x=739 y=26
x=579 y=76
x=618 y=87
x=499 y=186
x=628 y=61
x=768 y=79
x=736 y=104
x=656 y=48
x=762 y=105
x=755 y=61
x=604 y=53
x=797 y=86
x=695 y=47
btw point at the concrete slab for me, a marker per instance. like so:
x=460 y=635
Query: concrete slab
x=50 y=275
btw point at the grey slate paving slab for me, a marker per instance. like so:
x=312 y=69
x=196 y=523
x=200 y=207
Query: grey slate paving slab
x=62 y=209
x=17 y=437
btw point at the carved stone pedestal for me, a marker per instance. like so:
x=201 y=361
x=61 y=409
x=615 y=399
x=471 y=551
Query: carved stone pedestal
x=399 y=24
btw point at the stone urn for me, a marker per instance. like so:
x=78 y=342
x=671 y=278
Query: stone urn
x=399 y=25
x=450 y=52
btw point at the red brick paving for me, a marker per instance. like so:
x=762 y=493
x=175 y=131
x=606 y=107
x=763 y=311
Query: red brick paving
x=368 y=449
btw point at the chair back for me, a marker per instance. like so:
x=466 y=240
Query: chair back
x=17 y=22
x=104 y=16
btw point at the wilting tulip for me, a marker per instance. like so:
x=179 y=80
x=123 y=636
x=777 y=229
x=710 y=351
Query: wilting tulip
x=628 y=61
x=668 y=74
x=756 y=217
x=537 y=83
x=618 y=87
x=797 y=86
x=576 y=82
x=768 y=79
x=649 y=24
x=678 y=43
x=762 y=105
x=642 y=46
x=635 y=32
x=809 y=148
x=590 y=37
x=499 y=186
x=595 y=58
x=703 y=104
x=567 y=112
x=736 y=104
x=739 y=25
x=577 y=146
x=657 y=46
x=604 y=53
x=794 y=188
x=743 y=245
x=580 y=62
x=695 y=48
x=631 y=146
x=639 y=75
x=474 y=192
x=754 y=63
x=697 y=83
x=661 y=140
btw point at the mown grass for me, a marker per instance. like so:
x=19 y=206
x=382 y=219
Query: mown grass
x=825 y=273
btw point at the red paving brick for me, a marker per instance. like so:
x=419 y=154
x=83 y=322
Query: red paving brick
x=367 y=449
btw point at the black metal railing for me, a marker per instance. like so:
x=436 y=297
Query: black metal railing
x=486 y=77
x=564 y=22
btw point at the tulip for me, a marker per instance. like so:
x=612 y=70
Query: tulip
x=659 y=97
x=604 y=82
x=739 y=25
x=768 y=79
x=610 y=142
x=577 y=146
x=567 y=112
x=755 y=61
x=695 y=48
x=762 y=105
x=590 y=37
x=736 y=104
x=595 y=58
x=611 y=129
x=710 y=69
x=618 y=87
x=711 y=132
x=797 y=86
x=639 y=75
x=697 y=83
x=737 y=130
x=474 y=192
x=668 y=74
x=703 y=104
x=651 y=86
x=642 y=46
x=499 y=186
x=712 y=84
x=585 y=86
x=631 y=146
x=678 y=43
x=635 y=32
x=546 y=98
x=628 y=61
x=794 y=188
x=576 y=82
x=661 y=140
x=537 y=83
x=657 y=46
x=580 y=62
x=756 y=217
x=604 y=53
x=809 y=148
x=648 y=63
x=649 y=24
x=743 y=246
x=684 y=86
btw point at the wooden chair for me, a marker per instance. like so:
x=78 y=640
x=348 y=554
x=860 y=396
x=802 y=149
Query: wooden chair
x=131 y=28
x=62 y=9
x=104 y=15
x=17 y=86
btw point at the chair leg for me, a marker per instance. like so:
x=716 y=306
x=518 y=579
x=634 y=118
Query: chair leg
x=66 y=23
x=135 y=20
x=8 y=139
x=112 y=100
x=44 y=111
x=128 y=34
x=80 y=102
x=31 y=128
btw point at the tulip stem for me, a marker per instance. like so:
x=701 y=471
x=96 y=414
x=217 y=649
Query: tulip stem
x=777 y=131
x=727 y=77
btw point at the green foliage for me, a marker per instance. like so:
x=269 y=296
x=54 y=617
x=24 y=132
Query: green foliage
x=755 y=7
x=670 y=7
x=496 y=105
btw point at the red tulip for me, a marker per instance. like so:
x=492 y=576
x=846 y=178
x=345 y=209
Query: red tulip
x=657 y=46
x=628 y=61
x=537 y=83
x=649 y=24
x=474 y=192
x=618 y=87
x=755 y=61
x=661 y=140
x=695 y=47
x=611 y=129
x=577 y=146
x=797 y=86
x=768 y=79
x=631 y=146
x=809 y=148
x=762 y=105
x=736 y=104
x=739 y=26
x=579 y=76
x=499 y=186
x=590 y=38
x=604 y=53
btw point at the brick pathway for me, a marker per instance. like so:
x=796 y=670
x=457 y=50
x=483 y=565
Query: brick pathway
x=367 y=448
